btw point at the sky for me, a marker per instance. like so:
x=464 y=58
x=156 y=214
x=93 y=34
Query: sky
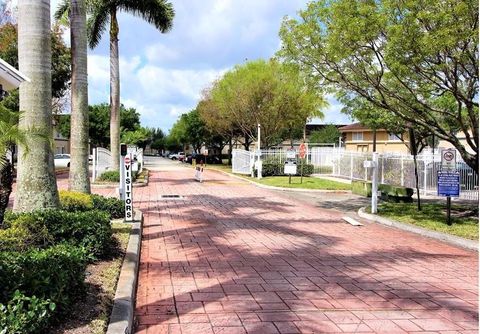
x=163 y=75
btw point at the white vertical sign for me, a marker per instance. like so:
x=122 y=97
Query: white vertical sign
x=128 y=188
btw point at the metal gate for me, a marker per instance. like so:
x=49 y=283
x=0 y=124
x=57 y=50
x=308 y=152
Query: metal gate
x=242 y=161
x=101 y=161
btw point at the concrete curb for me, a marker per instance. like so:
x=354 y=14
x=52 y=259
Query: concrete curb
x=121 y=319
x=281 y=188
x=451 y=239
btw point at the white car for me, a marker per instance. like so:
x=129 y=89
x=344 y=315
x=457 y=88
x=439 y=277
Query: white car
x=62 y=160
x=177 y=156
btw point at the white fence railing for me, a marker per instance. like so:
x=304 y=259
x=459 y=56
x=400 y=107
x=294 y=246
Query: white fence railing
x=394 y=169
x=101 y=162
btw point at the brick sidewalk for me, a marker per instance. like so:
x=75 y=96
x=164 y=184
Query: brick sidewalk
x=234 y=258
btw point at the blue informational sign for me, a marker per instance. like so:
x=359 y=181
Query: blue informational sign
x=448 y=183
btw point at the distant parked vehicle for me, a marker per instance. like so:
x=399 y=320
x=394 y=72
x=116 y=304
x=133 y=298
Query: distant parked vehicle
x=177 y=156
x=209 y=159
x=62 y=160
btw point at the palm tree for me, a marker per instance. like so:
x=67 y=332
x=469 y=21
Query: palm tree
x=159 y=13
x=36 y=182
x=78 y=176
x=9 y=135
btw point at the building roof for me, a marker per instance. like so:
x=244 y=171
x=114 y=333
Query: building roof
x=353 y=127
x=10 y=78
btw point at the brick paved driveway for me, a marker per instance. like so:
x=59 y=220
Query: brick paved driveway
x=234 y=258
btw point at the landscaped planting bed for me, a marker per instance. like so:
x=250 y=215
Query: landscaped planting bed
x=44 y=257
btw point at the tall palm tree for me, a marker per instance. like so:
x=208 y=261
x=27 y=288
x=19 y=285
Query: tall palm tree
x=78 y=176
x=36 y=182
x=159 y=13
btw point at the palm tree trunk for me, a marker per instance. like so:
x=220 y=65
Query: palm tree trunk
x=36 y=182
x=78 y=178
x=114 y=93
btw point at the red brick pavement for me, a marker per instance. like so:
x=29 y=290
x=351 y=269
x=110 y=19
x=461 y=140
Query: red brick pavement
x=234 y=258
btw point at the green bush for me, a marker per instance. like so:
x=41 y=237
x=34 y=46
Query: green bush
x=396 y=193
x=75 y=201
x=55 y=273
x=25 y=315
x=114 y=206
x=90 y=229
x=23 y=232
x=275 y=168
x=110 y=176
x=114 y=176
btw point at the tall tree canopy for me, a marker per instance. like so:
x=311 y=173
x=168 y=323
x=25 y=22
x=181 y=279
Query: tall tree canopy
x=416 y=59
x=262 y=92
x=103 y=15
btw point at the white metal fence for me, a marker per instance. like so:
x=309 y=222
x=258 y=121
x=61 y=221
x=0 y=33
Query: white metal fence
x=242 y=161
x=394 y=169
x=101 y=162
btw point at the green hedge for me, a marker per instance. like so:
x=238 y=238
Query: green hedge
x=114 y=176
x=91 y=229
x=56 y=273
x=25 y=315
x=276 y=169
x=396 y=193
x=75 y=201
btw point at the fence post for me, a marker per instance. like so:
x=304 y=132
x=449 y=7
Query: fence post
x=374 y=182
x=425 y=176
x=383 y=169
x=402 y=182
x=94 y=171
x=351 y=166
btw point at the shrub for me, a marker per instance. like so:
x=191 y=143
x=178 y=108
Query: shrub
x=274 y=168
x=25 y=314
x=56 y=274
x=114 y=176
x=91 y=229
x=75 y=201
x=110 y=176
x=363 y=188
x=23 y=232
x=114 y=206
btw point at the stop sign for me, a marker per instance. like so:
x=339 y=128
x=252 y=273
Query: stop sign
x=302 y=150
x=127 y=160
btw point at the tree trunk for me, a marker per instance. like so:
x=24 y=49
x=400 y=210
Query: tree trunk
x=114 y=93
x=36 y=182
x=6 y=181
x=374 y=139
x=79 y=178
x=230 y=148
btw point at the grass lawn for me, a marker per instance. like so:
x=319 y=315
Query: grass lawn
x=433 y=217
x=308 y=183
x=282 y=181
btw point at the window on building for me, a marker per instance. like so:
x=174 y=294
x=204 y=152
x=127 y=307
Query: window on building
x=357 y=136
x=393 y=137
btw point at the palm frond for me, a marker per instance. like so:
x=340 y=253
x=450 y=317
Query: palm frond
x=159 y=13
x=99 y=13
x=62 y=13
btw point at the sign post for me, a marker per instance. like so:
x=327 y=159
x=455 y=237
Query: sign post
x=128 y=187
x=448 y=184
x=291 y=164
x=302 y=152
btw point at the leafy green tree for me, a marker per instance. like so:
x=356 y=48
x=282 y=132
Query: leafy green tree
x=268 y=93
x=415 y=59
x=103 y=14
x=329 y=134
x=78 y=179
x=99 y=124
x=140 y=137
x=60 y=59
x=36 y=182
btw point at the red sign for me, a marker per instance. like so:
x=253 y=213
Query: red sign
x=302 y=150
x=127 y=160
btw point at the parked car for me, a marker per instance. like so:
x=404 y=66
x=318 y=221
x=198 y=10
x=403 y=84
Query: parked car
x=177 y=156
x=210 y=159
x=62 y=160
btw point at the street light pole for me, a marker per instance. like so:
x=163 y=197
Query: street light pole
x=259 y=154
